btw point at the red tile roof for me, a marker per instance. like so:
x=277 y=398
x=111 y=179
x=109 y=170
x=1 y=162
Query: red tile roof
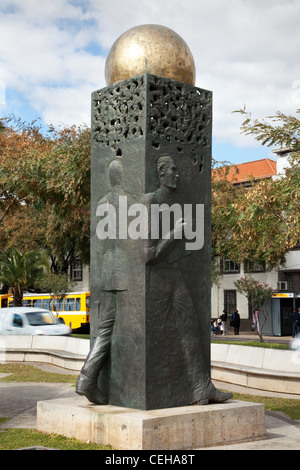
x=257 y=169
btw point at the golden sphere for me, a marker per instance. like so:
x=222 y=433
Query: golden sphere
x=150 y=48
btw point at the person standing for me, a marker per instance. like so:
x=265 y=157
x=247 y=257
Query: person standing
x=296 y=322
x=215 y=327
x=224 y=322
x=255 y=321
x=236 y=322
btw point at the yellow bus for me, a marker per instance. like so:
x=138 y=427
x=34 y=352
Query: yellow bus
x=73 y=310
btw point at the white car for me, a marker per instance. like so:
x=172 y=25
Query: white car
x=295 y=343
x=30 y=321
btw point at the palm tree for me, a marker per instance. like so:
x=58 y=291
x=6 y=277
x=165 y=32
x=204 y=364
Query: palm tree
x=21 y=271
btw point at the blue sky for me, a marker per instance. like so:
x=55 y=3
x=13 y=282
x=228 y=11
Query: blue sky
x=52 y=56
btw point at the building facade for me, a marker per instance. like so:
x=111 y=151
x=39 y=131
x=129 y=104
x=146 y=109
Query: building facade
x=80 y=274
x=276 y=314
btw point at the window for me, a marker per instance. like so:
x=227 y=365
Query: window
x=26 y=302
x=229 y=266
x=69 y=305
x=290 y=282
x=47 y=304
x=229 y=301
x=17 y=321
x=57 y=305
x=255 y=267
x=37 y=303
x=39 y=318
x=76 y=270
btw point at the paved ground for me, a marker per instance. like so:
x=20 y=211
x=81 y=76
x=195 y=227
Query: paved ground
x=283 y=433
x=251 y=336
x=18 y=402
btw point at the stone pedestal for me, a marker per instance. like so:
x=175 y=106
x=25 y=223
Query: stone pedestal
x=188 y=427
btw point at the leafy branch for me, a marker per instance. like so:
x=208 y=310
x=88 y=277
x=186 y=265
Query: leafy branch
x=286 y=134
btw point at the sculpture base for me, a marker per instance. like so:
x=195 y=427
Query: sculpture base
x=188 y=427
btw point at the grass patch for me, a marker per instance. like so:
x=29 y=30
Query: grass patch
x=28 y=373
x=291 y=407
x=19 y=438
x=3 y=420
x=256 y=344
x=81 y=335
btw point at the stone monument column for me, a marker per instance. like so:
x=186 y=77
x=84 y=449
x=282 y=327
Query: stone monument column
x=150 y=285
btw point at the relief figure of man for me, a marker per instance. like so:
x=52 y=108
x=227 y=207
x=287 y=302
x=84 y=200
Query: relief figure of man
x=170 y=306
x=114 y=286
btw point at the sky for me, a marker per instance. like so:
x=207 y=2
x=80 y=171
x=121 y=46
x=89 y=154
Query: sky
x=52 y=57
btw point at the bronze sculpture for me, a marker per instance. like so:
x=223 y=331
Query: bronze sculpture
x=150 y=334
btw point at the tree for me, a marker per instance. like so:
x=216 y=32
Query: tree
x=286 y=134
x=257 y=293
x=57 y=285
x=20 y=271
x=45 y=179
x=261 y=223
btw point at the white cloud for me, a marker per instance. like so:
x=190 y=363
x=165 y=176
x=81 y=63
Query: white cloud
x=246 y=52
x=75 y=109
